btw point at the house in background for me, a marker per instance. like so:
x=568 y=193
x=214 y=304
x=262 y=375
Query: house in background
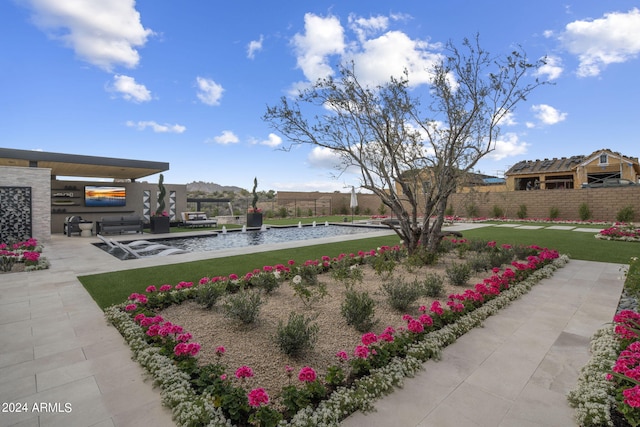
x=572 y=172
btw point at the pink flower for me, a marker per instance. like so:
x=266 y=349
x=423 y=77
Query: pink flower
x=415 y=326
x=244 y=372
x=289 y=370
x=150 y=289
x=233 y=276
x=258 y=397
x=385 y=337
x=220 y=350
x=389 y=330
x=307 y=374
x=436 y=308
x=130 y=307
x=422 y=308
x=184 y=337
x=369 y=338
x=342 y=356
x=426 y=320
x=203 y=281
x=291 y=262
x=165 y=288
x=406 y=317
x=632 y=396
x=223 y=377
x=361 y=352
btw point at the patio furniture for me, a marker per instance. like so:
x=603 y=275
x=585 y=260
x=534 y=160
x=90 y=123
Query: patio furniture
x=72 y=225
x=197 y=219
x=86 y=228
x=120 y=224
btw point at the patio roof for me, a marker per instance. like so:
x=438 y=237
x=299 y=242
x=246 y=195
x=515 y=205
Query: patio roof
x=75 y=165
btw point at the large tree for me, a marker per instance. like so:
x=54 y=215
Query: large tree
x=411 y=156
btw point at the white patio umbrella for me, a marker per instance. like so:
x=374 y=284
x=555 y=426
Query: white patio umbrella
x=354 y=201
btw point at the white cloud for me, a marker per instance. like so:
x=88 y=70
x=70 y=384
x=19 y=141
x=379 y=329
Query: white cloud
x=552 y=69
x=209 y=92
x=272 y=141
x=547 y=114
x=508 y=146
x=129 y=89
x=156 y=127
x=508 y=119
x=322 y=37
x=254 y=46
x=105 y=33
x=227 y=137
x=614 y=38
x=392 y=53
x=365 y=27
x=324 y=158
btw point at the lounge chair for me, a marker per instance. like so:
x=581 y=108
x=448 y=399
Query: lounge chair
x=137 y=245
x=164 y=250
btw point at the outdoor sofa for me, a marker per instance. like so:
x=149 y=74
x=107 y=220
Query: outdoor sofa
x=119 y=224
x=197 y=219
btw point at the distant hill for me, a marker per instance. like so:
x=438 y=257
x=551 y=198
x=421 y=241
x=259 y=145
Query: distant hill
x=211 y=188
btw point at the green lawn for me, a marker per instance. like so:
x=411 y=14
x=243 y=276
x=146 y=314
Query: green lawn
x=112 y=288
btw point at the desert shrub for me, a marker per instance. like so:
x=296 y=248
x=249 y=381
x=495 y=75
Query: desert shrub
x=268 y=282
x=308 y=274
x=282 y=212
x=479 y=262
x=243 y=306
x=382 y=209
x=358 y=309
x=401 y=294
x=500 y=256
x=522 y=252
x=626 y=214
x=308 y=293
x=433 y=285
x=449 y=211
x=478 y=245
x=584 y=212
x=344 y=272
x=297 y=335
x=421 y=257
x=446 y=245
x=522 y=211
x=554 y=212
x=207 y=295
x=472 y=210
x=497 y=211
x=382 y=265
x=458 y=273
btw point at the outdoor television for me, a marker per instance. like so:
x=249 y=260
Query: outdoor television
x=104 y=196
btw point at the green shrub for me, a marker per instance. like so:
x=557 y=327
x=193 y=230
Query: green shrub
x=500 y=256
x=344 y=272
x=207 y=295
x=433 y=285
x=497 y=211
x=478 y=245
x=449 y=211
x=520 y=252
x=308 y=293
x=421 y=257
x=282 y=212
x=554 y=212
x=382 y=209
x=268 y=282
x=243 y=306
x=358 y=309
x=522 y=212
x=479 y=262
x=297 y=335
x=584 y=212
x=472 y=210
x=458 y=274
x=401 y=294
x=626 y=214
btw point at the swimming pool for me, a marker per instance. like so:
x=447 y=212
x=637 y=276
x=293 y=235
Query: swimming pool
x=238 y=239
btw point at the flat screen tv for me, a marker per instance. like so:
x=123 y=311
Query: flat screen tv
x=104 y=196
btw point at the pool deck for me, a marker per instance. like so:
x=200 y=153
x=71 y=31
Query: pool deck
x=58 y=349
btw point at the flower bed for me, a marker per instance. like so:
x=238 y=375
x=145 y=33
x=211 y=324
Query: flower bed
x=608 y=388
x=208 y=395
x=22 y=256
x=627 y=233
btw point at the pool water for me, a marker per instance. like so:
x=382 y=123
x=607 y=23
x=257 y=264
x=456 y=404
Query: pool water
x=238 y=239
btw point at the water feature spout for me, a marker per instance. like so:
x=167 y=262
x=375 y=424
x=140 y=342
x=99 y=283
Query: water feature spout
x=244 y=228
x=326 y=223
x=314 y=224
x=224 y=229
x=263 y=227
x=299 y=224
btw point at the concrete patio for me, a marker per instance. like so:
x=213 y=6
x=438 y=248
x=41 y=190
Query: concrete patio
x=516 y=371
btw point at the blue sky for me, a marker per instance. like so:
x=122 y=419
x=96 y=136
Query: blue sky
x=188 y=82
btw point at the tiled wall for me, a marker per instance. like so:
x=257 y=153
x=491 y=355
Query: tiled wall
x=39 y=181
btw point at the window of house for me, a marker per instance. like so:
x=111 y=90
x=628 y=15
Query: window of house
x=604 y=159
